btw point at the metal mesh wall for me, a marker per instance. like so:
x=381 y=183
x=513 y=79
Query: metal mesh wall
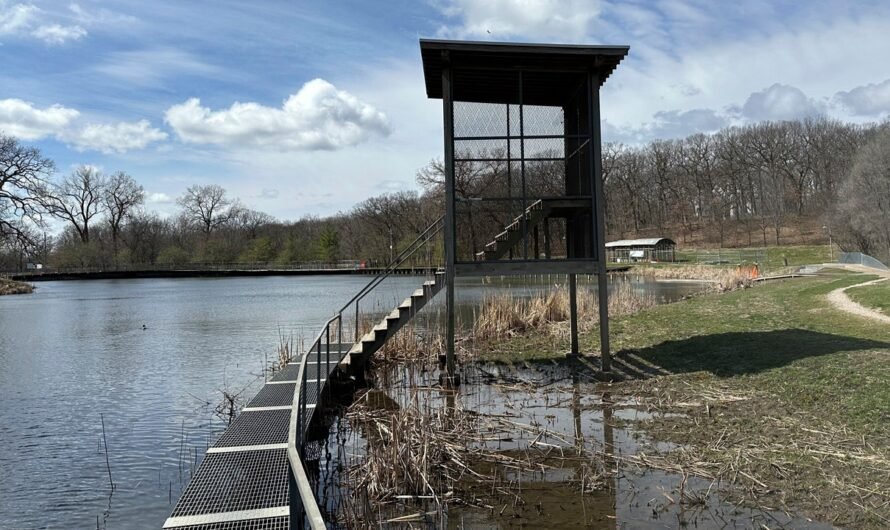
x=522 y=170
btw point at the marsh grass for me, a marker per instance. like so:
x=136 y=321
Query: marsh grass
x=505 y=315
x=722 y=278
x=13 y=287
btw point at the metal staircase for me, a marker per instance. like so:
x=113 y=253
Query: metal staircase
x=401 y=315
x=513 y=232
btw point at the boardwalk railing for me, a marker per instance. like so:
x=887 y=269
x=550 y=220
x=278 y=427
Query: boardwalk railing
x=327 y=351
x=209 y=267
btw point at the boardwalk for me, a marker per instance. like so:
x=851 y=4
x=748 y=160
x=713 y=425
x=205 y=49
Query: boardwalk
x=243 y=481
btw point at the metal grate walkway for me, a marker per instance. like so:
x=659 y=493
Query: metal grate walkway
x=242 y=482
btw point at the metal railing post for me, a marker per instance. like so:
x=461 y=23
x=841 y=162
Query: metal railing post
x=296 y=504
x=302 y=415
x=318 y=367
x=356 y=322
x=327 y=361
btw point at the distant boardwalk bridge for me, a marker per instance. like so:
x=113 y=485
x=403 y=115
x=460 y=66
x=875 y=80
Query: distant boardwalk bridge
x=202 y=271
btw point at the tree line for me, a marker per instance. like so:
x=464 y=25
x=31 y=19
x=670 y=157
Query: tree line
x=758 y=180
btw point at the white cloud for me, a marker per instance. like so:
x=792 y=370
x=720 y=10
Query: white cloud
x=317 y=117
x=25 y=121
x=867 y=100
x=735 y=51
x=559 y=20
x=675 y=123
x=151 y=66
x=780 y=102
x=17 y=18
x=100 y=17
x=28 y=20
x=115 y=138
x=159 y=198
x=58 y=34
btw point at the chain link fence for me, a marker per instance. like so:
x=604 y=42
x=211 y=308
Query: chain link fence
x=858 y=258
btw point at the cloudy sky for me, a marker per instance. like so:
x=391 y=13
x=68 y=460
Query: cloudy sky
x=308 y=107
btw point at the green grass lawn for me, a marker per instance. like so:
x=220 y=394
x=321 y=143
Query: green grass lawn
x=782 y=335
x=776 y=257
x=875 y=296
x=799 y=255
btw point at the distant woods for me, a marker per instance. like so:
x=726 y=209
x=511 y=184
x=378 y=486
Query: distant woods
x=755 y=185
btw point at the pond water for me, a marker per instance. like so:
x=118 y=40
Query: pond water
x=75 y=354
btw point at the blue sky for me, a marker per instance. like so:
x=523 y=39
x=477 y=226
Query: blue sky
x=308 y=107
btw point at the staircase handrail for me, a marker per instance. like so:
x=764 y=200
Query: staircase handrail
x=409 y=251
x=302 y=500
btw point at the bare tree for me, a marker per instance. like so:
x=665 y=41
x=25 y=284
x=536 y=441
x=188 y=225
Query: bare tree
x=251 y=221
x=123 y=195
x=208 y=207
x=78 y=199
x=23 y=174
x=866 y=196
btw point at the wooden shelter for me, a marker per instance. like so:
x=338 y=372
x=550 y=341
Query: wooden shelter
x=523 y=170
x=648 y=249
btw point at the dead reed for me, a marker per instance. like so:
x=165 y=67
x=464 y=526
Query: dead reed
x=285 y=349
x=720 y=278
x=412 y=343
x=421 y=457
x=505 y=315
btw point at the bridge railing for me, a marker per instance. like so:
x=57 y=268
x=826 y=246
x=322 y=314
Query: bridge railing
x=326 y=352
x=166 y=267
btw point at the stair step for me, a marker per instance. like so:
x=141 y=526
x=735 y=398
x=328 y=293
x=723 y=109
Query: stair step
x=418 y=294
x=394 y=315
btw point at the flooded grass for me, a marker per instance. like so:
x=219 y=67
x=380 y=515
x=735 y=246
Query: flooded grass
x=777 y=393
x=546 y=446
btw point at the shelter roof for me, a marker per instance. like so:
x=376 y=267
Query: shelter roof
x=647 y=242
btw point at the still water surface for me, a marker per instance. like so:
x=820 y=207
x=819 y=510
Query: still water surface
x=76 y=352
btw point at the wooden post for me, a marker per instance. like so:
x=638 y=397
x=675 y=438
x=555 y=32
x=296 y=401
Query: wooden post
x=537 y=247
x=449 y=229
x=599 y=217
x=573 y=311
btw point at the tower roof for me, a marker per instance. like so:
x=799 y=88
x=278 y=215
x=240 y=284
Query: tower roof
x=486 y=71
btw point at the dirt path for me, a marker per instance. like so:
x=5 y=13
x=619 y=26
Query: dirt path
x=840 y=300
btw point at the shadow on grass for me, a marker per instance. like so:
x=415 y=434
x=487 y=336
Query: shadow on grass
x=739 y=353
